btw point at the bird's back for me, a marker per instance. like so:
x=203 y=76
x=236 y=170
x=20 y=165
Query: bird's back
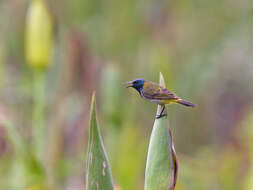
x=155 y=92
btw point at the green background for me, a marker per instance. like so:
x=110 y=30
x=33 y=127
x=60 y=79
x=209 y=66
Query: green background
x=204 y=50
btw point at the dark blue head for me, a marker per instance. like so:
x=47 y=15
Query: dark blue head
x=137 y=84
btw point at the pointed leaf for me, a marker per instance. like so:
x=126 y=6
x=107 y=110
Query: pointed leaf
x=98 y=170
x=161 y=166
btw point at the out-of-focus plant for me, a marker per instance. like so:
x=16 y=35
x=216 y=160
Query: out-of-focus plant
x=38 y=187
x=98 y=173
x=38 y=47
x=248 y=138
x=39 y=35
x=111 y=101
x=130 y=174
x=161 y=166
x=30 y=171
x=1 y=65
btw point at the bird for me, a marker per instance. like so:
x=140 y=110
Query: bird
x=155 y=93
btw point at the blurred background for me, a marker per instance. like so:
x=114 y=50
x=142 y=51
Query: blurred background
x=54 y=54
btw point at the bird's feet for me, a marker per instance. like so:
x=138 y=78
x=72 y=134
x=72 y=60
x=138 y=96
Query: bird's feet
x=160 y=116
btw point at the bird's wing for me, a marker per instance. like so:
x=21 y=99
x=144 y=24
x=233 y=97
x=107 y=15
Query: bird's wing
x=155 y=91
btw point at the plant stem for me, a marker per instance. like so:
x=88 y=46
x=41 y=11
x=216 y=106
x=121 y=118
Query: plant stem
x=38 y=112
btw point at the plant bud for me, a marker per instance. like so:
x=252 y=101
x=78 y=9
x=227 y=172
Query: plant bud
x=38 y=42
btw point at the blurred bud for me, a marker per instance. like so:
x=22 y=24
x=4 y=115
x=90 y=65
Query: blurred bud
x=38 y=42
x=111 y=92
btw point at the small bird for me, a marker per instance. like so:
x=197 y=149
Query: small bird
x=157 y=94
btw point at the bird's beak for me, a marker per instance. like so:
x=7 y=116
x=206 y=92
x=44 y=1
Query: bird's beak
x=129 y=82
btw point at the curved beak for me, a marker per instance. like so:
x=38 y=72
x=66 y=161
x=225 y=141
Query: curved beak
x=129 y=82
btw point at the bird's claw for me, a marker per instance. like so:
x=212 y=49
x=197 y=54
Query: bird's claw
x=160 y=116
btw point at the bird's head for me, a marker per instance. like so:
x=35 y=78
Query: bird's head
x=137 y=84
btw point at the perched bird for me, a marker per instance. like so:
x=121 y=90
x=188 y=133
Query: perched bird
x=157 y=94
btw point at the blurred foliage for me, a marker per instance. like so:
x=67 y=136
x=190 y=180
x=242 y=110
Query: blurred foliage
x=204 y=49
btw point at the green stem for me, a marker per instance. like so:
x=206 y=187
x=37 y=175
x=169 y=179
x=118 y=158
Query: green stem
x=38 y=112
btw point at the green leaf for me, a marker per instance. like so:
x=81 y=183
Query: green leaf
x=98 y=170
x=161 y=166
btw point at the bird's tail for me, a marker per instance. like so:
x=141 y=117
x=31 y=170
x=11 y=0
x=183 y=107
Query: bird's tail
x=185 y=103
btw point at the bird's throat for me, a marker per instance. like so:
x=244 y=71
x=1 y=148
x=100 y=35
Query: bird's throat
x=140 y=91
